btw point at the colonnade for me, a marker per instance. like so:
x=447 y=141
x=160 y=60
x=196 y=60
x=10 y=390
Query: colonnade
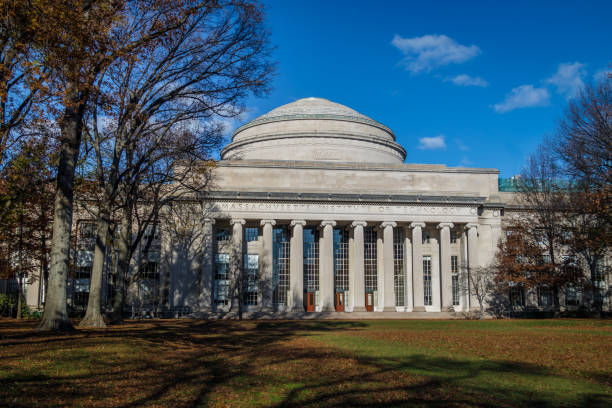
x=439 y=250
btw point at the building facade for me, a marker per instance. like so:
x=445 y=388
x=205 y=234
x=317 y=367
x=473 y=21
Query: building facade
x=312 y=209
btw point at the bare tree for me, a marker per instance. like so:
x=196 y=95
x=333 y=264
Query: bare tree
x=481 y=283
x=584 y=147
x=164 y=113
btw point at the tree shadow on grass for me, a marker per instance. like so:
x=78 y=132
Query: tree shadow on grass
x=273 y=363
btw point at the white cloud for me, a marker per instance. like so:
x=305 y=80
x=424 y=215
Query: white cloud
x=461 y=145
x=466 y=80
x=431 y=51
x=568 y=79
x=602 y=74
x=432 y=143
x=524 y=96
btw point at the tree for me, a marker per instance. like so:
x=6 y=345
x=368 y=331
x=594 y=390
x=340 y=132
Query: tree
x=584 y=147
x=24 y=227
x=481 y=283
x=162 y=118
x=79 y=40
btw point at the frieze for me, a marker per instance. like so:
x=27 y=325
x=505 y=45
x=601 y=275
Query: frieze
x=251 y=207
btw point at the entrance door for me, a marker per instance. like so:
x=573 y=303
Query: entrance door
x=310 y=301
x=339 y=301
x=369 y=301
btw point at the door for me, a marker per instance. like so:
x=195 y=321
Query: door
x=339 y=301
x=310 y=301
x=369 y=301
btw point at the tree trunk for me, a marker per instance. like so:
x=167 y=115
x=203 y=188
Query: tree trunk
x=19 y=301
x=93 y=316
x=123 y=264
x=55 y=316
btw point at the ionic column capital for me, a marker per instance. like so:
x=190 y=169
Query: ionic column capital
x=210 y=221
x=386 y=224
x=327 y=222
x=359 y=224
x=471 y=225
x=298 y=222
x=240 y=221
x=417 y=225
x=264 y=222
x=445 y=225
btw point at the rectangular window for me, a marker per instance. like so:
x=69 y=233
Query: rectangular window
x=222 y=234
x=516 y=296
x=341 y=259
x=426 y=237
x=572 y=296
x=87 y=235
x=221 y=288
x=311 y=259
x=455 y=279
x=251 y=233
x=370 y=259
x=251 y=266
x=453 y=237
x=427 y=293
x=398 y=266
x=544 y=296
x=281 y=254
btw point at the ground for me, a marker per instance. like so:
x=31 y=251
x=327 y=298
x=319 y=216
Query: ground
x=310 y=363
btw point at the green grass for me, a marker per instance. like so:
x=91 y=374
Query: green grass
x=311 y=363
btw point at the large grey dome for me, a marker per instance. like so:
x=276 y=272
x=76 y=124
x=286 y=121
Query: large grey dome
x=315 y=129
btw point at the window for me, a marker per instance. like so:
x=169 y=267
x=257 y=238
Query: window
x=516 y=296
x=311 y=260
x=223 y=234
x=427 y=293
x=83 y=272
x=455 y=279
x=153 y=231
x=341 y=259
x=599 y=282
x=221 y=288
x=572 y=296
x=453 y=237
x=280 y=277
x=87 y=235
x=251 y=233
x=544 y=296
x=398 y=266
x=370 y=259
x=251 y=266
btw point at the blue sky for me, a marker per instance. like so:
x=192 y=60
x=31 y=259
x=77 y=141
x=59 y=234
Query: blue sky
x=476 y=84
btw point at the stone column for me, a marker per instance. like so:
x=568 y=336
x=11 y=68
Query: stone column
x=408 y=279
x=436 y=305
x=296 y=280
x=236 y=257
x=267 y=266
x=388 y=270
x=350 y=296
x=472 y=261
x=417 y=266
x=326 y=266
x=359 y=292
x=208 y=264
x=445 y=265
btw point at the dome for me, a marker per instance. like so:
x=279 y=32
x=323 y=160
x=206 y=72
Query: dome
x=315 y=129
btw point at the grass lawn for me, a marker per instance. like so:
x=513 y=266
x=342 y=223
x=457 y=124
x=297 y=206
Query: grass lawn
x=310 y=363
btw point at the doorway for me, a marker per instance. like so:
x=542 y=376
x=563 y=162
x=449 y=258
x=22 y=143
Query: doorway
x=369 y=301
x=309 y=301
x=339 y=301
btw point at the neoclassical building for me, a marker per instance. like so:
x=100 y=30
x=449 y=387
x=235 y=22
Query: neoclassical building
x=314 y=210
